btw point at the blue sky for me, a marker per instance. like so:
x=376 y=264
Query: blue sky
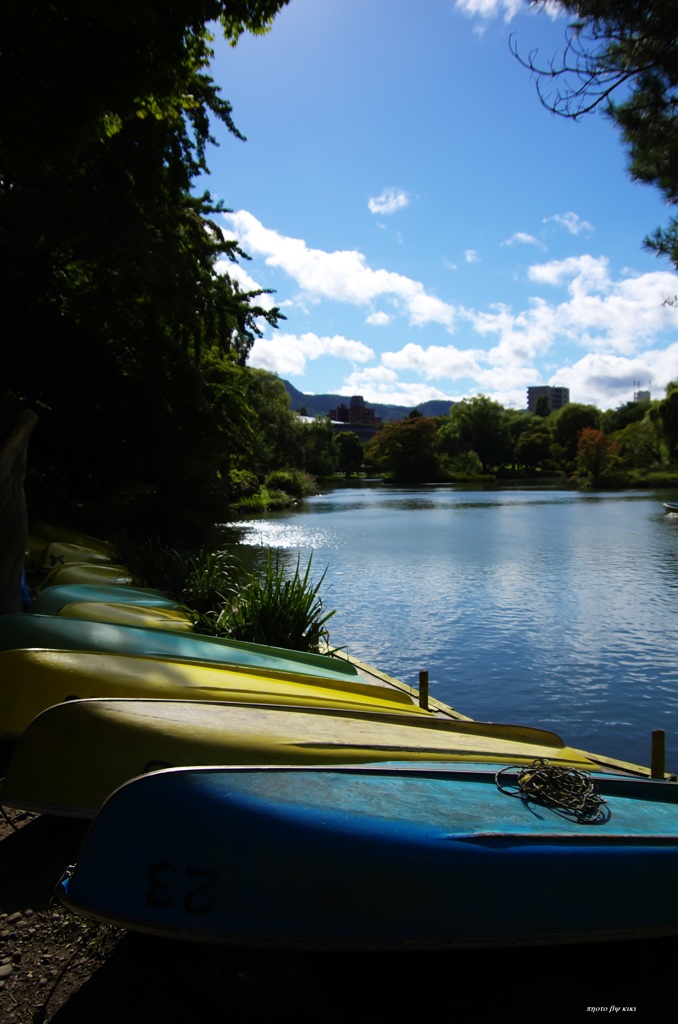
x=429 y=229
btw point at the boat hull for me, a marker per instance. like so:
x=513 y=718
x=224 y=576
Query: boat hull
x=53 y=599
x=129 y=615
x=73 y=755
x=88 y=572
x=59 y=553
x=33 y=680
x=374 y=857
x=59 y=632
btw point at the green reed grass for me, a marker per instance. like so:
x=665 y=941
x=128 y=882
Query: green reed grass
x=274 y=607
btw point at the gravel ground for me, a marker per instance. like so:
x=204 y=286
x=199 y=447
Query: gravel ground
x=57 y=967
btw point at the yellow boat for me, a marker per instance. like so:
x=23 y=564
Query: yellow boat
x=33 y=680
x=58 y=553
x=74 y=755
x=47 y=533
x=128 y=615
x=87 y=572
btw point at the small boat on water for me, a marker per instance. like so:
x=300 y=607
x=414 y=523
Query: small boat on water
x=73 y=755
x=33 y=680
x=671 y=506
x=377 y=857
x=58 y=632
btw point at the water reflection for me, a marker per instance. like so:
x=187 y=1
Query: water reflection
x=543 y=607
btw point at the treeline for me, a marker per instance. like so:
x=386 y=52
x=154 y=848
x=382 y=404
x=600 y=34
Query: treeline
x=634 y=445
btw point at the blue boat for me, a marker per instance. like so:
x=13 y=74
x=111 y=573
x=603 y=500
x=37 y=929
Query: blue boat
x=59 y=633
x=53 y=599
x=377 y=857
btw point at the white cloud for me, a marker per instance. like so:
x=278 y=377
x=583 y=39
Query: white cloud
x=618 y=321
x=608 y=381
x=583 y=327
x=605 y=315
x=380 y=385
x=436 y=362
x=522 y=337
x=342 y=276
x=390 y=200
x=521 y=238
x=288 y=354
x=490 y=8
x=571 y=221
x=588 y=271
x=471 y=256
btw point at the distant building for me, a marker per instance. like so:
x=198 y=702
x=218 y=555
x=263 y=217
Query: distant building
x=641 y=396
x=557 y=397
x=357 y=414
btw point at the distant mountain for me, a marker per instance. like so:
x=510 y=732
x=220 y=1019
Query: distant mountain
x=320 y=405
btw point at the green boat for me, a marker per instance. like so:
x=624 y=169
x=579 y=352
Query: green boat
x=60 y=633
x=52 y=600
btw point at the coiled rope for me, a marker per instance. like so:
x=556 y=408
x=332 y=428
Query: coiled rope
x=568 y=791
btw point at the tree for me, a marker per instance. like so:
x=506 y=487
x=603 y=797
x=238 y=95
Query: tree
x=350 y=452
x=276 y=434
x=595 y=454
x=320 y=452
x=631 y=46
x=667 y=417
x=568 y=421
x=542 y=407
x=481 y=425
x=533 y=448
x=629 y=412
x=110 y=264
x=638 y=444
x=16 y=424
x=406 y=449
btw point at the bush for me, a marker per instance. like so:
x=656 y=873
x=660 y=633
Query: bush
x=200 y=581
x=223 y=599
x=277 y=609
x=242 y=483
x=294 y=482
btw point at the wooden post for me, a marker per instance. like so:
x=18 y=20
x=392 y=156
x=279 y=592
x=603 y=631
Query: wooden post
x=423 y=690
x=16 y=424
x=658 y=760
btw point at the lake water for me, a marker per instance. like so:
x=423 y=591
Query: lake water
x=551 y=608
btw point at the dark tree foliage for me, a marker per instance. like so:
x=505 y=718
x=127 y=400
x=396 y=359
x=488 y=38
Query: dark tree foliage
x=543 y=407
x=108 y=269
x=668 y=416
x=406 y=449
x=621 y=56
x=481 y=425
x=350 y=453
x=566 y=423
